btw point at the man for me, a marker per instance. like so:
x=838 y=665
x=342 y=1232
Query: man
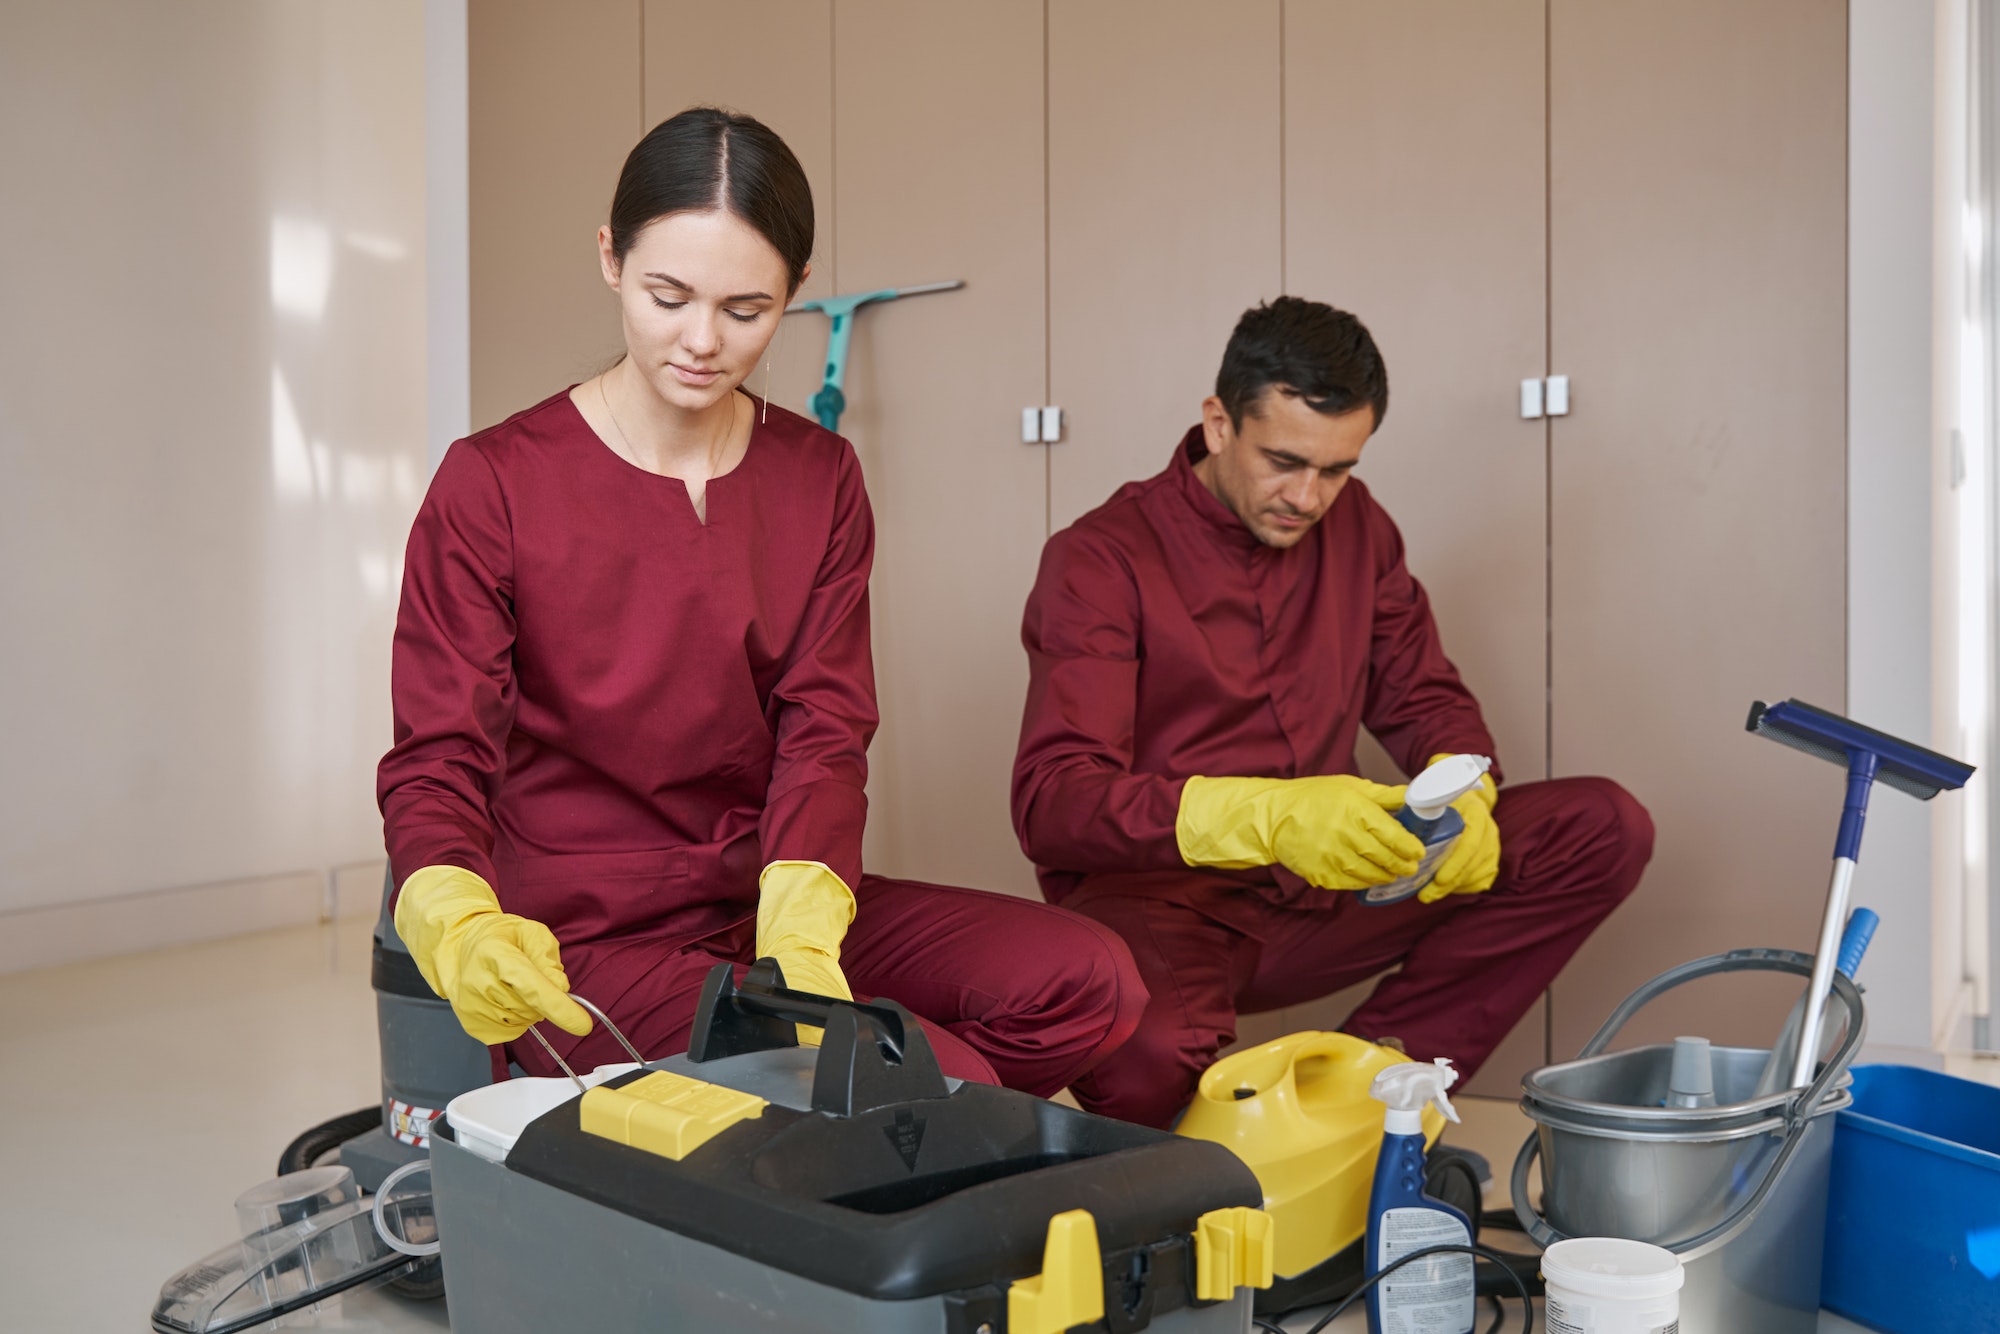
x=1203 y=649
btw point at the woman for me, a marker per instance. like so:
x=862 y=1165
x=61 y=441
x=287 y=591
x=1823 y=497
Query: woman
x=633 y=691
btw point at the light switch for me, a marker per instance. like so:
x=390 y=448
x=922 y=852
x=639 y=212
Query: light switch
x=1558 y=396
x=1051 y=425
x=1031 y=426
x=1531 y=398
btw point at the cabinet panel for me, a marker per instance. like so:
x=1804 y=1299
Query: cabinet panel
x=772 y=59
x=1698 y=160
x=553 y=102
x=940 y=169
x=1415 y=197
x=1163 y=221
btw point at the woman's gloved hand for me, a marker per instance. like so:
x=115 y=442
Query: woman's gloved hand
x=1473 y=863
x=803 y=909
x=1335 y=832
x=500 y=972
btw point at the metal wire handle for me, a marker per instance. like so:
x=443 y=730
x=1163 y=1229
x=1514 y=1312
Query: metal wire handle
x=601 y=1018
x=557 y=1058
x=605 y=1019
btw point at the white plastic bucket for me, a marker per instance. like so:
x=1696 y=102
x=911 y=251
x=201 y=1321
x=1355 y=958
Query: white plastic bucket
x=1606 y=1285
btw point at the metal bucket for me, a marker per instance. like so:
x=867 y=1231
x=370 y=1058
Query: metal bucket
x=1737 y=1191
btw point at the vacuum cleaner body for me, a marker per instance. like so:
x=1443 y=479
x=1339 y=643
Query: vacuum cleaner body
x=427 y=1059
x=753 y=1184
x=1297 y=1111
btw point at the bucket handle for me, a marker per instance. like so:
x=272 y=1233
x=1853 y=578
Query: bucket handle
x=1798 y=1118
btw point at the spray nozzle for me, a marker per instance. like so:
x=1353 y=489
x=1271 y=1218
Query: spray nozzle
x=1443 y=783
x=1408 y=1086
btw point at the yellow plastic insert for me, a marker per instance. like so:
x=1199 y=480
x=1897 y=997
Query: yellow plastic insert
x=1070 y=1289
x=1233 y=1248
x=665 y=1113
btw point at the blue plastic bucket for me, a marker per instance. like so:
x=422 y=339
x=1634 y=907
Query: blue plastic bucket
x=1913 y=1215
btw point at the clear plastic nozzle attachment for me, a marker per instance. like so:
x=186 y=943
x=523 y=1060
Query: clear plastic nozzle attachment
x=1410 y=1087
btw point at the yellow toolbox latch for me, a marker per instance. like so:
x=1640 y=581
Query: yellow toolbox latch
x=1070 y=1289
x=665 y=1113
x=1233 y=1248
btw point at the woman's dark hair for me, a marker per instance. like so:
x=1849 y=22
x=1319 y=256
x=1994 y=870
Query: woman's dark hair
x=706 y=158
x=1308 y=350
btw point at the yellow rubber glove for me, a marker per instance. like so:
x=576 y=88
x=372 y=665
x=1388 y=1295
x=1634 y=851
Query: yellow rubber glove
x=500 y=972
x=1473 y=863
x=1335 y=832
x=803 y=909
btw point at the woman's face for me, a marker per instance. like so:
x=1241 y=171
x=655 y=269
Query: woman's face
x=702 y=294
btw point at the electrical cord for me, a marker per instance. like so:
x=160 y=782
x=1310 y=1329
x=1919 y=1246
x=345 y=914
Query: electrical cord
x=1452 y=1163
x=1527 y=1305
x=1499 y=1319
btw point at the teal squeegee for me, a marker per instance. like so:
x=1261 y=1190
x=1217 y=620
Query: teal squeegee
x=831 y=400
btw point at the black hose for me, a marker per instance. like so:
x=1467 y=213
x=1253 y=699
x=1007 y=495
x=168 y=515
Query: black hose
x=322 y=1139
x=1528 y=1306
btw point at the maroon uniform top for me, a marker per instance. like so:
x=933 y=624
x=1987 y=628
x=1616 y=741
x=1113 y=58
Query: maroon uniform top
x=1165 y=641
x=616 y=713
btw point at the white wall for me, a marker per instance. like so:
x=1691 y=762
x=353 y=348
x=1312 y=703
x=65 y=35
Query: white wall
x=447 y=224
x=1890 y=115
x=212 y=439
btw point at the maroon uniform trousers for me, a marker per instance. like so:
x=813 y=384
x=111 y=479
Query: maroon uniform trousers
x=616 y=714
x=1164 y=642
x=1008 y=991
x=1471 y=965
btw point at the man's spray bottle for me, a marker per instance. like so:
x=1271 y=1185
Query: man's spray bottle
x=1435 y=1295
x=1427 y=813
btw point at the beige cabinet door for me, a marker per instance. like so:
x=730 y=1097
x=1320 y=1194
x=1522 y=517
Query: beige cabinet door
x=1163 y=187
x=772 y=59
x=1415 y=197
x=1697 y=207
x=938 y=160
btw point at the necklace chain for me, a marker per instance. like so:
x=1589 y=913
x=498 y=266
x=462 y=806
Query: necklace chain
x=715 y=451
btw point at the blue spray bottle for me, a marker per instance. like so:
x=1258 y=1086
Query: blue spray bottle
x=1427 y=813
x=1435 y=1295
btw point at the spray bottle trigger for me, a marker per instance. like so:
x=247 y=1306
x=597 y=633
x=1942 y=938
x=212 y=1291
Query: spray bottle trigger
x=1438 y=1095
x=1407 y=1086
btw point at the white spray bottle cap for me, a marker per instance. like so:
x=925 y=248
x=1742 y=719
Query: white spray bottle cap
x=1445 y=782
x=1408 y=1088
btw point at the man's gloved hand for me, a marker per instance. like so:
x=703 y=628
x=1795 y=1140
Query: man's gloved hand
x=500 y=972
x=1474 y=861
x=1335 y=832
x=803 y=909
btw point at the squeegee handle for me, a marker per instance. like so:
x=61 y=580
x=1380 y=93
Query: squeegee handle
x=1861 y=768
x=1832 y=924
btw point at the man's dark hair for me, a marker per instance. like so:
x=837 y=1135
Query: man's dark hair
x=1305 y=349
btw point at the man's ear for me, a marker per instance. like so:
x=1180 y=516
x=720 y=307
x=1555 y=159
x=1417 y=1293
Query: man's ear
x=1216 y=430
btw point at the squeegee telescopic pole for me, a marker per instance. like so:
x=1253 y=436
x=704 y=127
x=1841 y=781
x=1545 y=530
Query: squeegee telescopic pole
x=1861 y=767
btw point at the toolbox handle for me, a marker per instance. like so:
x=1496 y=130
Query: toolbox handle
x=871 y=1055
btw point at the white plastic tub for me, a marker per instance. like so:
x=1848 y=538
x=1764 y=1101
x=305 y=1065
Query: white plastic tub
x=1606 y=1285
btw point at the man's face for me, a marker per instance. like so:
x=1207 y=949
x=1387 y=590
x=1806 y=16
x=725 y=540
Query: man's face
x=1282 y=469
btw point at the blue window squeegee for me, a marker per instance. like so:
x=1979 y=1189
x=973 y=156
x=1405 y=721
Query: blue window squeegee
x=831 y=400
x=1869 y=757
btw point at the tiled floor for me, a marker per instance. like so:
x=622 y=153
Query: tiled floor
x=140 y=1095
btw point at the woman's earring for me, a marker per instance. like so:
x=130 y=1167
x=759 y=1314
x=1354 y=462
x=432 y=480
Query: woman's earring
x=765 y=417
